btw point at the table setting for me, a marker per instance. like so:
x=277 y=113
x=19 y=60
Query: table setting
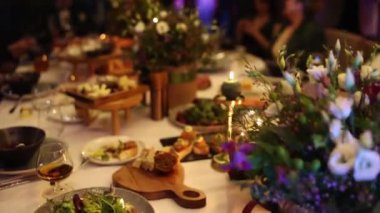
x=23 y=184
x=89 y=154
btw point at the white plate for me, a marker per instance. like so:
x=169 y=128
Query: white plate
x=139 y=202
x=65 y=114
x=96 y=144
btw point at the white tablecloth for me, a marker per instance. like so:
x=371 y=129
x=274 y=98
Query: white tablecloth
x=222 y=194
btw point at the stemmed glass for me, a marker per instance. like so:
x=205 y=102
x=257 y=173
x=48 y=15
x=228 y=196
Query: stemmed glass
x=54 y=164
x=43 y=106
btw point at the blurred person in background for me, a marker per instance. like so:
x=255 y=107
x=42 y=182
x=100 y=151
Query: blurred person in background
x=23 y=31
x=302 y=33
x=369 y=18
x=256 y=34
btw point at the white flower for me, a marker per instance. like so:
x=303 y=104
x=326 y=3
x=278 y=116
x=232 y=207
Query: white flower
x=342 y=158
x=346 y=137
x=290 y=78
x=162 y=27
x=367 y=165
x=163 y=14
x=341 y=108
x=335 y=129
x=350 y=79
x=367 y=73
x=337 y=46
x=359 y=58
x=342 y=80
x=205 y=37
x=332 y=62
x=366 y=139
x=140 y=27
x=181 y=27
x=358 y=96
x=346 y=80
x=197 y=23
x=317 y=72
x=273 y=109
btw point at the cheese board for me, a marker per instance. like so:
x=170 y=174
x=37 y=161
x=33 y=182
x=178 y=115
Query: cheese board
x=140 y=89
x=154 y=186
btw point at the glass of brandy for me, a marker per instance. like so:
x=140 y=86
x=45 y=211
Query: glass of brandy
x=54 y=164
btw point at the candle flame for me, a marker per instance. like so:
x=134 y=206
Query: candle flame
x=103 y=36
x=231 y=75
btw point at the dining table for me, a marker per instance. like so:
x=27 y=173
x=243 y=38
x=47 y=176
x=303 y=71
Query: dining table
x=222 y=194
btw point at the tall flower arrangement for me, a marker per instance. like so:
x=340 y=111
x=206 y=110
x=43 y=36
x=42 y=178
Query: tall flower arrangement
x=318 y=147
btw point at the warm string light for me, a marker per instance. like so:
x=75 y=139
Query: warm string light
x=155 y=20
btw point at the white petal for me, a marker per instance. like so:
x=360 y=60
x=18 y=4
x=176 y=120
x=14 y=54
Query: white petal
x=366 y=139
x=335 y=129
x=367 y=165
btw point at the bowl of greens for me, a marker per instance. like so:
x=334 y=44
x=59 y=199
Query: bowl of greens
x=97 y=199
x=204 y=115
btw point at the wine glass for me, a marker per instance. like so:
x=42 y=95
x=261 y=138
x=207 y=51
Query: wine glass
x=54 y=164
x=43 y=106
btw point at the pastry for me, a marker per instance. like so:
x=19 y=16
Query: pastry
x=201 y=147
x=146 y=160
x=188 y=133
x=165 y=162
x=182 y=148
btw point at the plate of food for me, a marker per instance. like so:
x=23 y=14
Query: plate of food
x=191 y=146
x=98 y=199
x=112 y=150
x=203 y=115
x=105 y=90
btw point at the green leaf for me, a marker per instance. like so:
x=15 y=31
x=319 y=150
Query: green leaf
x=319 y=141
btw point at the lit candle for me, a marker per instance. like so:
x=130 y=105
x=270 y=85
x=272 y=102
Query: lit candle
x=231 y=88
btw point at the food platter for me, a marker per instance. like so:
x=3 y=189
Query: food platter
x=106 y=99
x=173 y=118
x=97 y=151
x=139 y=203
x=28 y=168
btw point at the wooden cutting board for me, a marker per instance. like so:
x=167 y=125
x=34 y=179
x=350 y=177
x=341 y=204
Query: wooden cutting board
x=154 y=186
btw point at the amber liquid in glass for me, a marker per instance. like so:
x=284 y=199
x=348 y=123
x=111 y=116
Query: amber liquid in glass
x=54 y=172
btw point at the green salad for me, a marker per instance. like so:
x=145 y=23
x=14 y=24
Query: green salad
x=91 y=202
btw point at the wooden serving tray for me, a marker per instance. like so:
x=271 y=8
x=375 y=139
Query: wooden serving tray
x=106 y=99
x=154 y=186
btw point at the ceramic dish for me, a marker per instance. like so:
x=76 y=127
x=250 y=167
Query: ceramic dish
x=65 y=114
x=92 y=149
x=199 y=128
x=28 y=168
x=140 y=204
x=41 y=89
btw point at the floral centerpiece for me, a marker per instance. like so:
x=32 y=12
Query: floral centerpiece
x=171 y=39
x=131 y=16
x=318 y=147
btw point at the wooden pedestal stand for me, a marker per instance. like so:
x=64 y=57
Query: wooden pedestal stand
x=111 y=104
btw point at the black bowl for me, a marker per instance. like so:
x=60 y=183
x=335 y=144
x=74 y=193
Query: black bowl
x=22 y=83
x=18 y=144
